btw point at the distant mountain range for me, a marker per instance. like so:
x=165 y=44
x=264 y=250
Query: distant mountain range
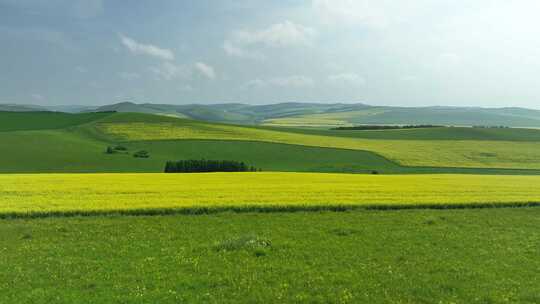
x=316 y=114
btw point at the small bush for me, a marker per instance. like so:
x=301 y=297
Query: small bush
x=120 y=148
x=203 y=165
x=109 y=150
x=344 y=231
x=247 y=242
x=141 y=154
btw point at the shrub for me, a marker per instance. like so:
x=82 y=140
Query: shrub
x=245 y=242
x=109 y=150
x=120 y=148
x=195 y=166
x=386 y=127
x=141 y=154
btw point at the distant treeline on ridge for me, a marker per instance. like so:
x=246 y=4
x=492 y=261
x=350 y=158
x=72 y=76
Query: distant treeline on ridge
x=203 y=165
x=386 y=127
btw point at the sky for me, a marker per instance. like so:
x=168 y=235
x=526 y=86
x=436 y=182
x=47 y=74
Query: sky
x=380 y=52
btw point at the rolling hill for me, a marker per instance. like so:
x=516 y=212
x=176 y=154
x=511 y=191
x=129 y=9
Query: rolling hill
x=404 y=148
x=61 y=142
x=332 y=115
x=316 y=115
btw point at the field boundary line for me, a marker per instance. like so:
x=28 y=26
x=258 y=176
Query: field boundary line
x=258 y=209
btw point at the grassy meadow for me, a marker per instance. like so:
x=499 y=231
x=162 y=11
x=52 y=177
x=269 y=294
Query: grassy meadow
x=80 y=146
x=53 y=194
x=17 y=121
x=406 y=152
x=83 y=226
x=408 y=256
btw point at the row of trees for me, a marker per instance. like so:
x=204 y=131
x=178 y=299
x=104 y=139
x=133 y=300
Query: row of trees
x=385 y=127
x=203 y=165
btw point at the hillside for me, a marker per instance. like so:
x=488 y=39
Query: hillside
x=315 y=115
x=449 y=116
x=404 y=148
x=17 y=121
x=332 y=115
x=77 y=143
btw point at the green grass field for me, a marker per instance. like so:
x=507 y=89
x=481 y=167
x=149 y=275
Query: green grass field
x=53 y=194
x=62 y=151
x=79 y=146
x=16 y=121
x=265 y=237
x=407 y=256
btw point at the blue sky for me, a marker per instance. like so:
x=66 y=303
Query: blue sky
x=409 y=53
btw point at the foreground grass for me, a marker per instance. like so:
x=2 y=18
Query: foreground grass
x=407 y=256
x=53 y=194
x=407 y=152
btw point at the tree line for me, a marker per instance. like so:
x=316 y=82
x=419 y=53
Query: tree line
x=204 y=165
x=385 y=127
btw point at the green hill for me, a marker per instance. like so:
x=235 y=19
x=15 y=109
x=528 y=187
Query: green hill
x=16 y=121
x=59 y=142
x=450 y=116
x=400 y=146
x=337 y=114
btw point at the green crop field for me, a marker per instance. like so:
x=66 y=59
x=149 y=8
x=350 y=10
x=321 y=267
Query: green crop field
x=472 y=256
x=44 y=194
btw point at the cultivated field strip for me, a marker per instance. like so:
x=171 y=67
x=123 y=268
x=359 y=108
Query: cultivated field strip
x=425 y=153
x=64 y=194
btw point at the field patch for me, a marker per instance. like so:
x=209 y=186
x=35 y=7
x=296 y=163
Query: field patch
x=428 y=153
x=17 y=121
x=43 y=194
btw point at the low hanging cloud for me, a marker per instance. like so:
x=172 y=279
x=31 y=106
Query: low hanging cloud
x=137 y=48
x=205 y=70
x=347 y=79
x=286 y=34
x=294 y=81
x=129 y=75
x=170 y=71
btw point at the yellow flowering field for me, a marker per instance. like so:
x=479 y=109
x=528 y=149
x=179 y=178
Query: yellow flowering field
x=45 y=193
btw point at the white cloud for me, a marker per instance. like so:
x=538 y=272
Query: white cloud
x=236 y=51
x=294 y=81
x=170 y=71
x=254 y=83
x=185 y=88
x=205 y=70
x=37 y=97
x=129 y=75
x=146 y=49
x=347 y=79
x=450 y=59
x=278 y=35
x=352 y=12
